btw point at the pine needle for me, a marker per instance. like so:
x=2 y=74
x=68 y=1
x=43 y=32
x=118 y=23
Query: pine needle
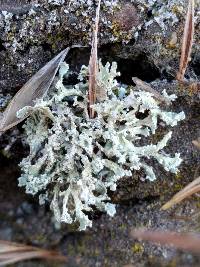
x=186 y=242
x=146 y=87
x=13 y=252
x=190 y=189
x=93 y=64
x=188 y=37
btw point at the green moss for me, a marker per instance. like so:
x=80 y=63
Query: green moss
x=138 y=248
x=40 y=238
x=96 y=252
x=70 y=250
x=118 y=33
x=178 y=176
x=81 y=248
x=198 y=204
x=54 y=40
x=123 y=227
x=5 y=153
x=178 y=187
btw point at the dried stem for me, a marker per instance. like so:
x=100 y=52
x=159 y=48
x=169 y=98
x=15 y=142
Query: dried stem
x=188 y=37
x=93 y=64
x=146 y=87
x=13 y=252
x=188 y=242
x=190 y=189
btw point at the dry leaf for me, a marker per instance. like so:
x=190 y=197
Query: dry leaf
x=187 y=41
x=93 y=65
x=190 y=189
x=187 y=242
x=144 y=86
x=13 y=252
x=35 y=88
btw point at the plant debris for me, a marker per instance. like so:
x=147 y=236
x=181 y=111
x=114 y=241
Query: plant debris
x=190 y=189
x=187 y=242
x=188 y=37
x=93 y=65
x=35 y=88
x=14 y=252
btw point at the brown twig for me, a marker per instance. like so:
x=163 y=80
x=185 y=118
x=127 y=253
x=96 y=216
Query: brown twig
x=13 y=252
x=187 y=242
x=93 y=64
x=188 y=37
x=144 y=86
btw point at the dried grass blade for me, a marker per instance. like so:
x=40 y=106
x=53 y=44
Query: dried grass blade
x=190 y=189
x=35 y=88
x=93 y=64
x=188 y=37
x=187 y=242
x=13 y=252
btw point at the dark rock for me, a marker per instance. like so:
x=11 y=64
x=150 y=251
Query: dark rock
x=30 y=35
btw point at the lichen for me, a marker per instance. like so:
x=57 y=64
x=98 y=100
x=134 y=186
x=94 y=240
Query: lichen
x=164 y=12
x=74 y=160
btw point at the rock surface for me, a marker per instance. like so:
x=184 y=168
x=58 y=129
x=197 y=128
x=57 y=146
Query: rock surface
x=32 y=31
x=144 y=37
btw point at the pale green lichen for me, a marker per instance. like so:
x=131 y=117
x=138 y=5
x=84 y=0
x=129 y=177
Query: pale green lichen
x=75 y=160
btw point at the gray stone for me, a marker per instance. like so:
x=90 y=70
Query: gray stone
x=31 y=33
